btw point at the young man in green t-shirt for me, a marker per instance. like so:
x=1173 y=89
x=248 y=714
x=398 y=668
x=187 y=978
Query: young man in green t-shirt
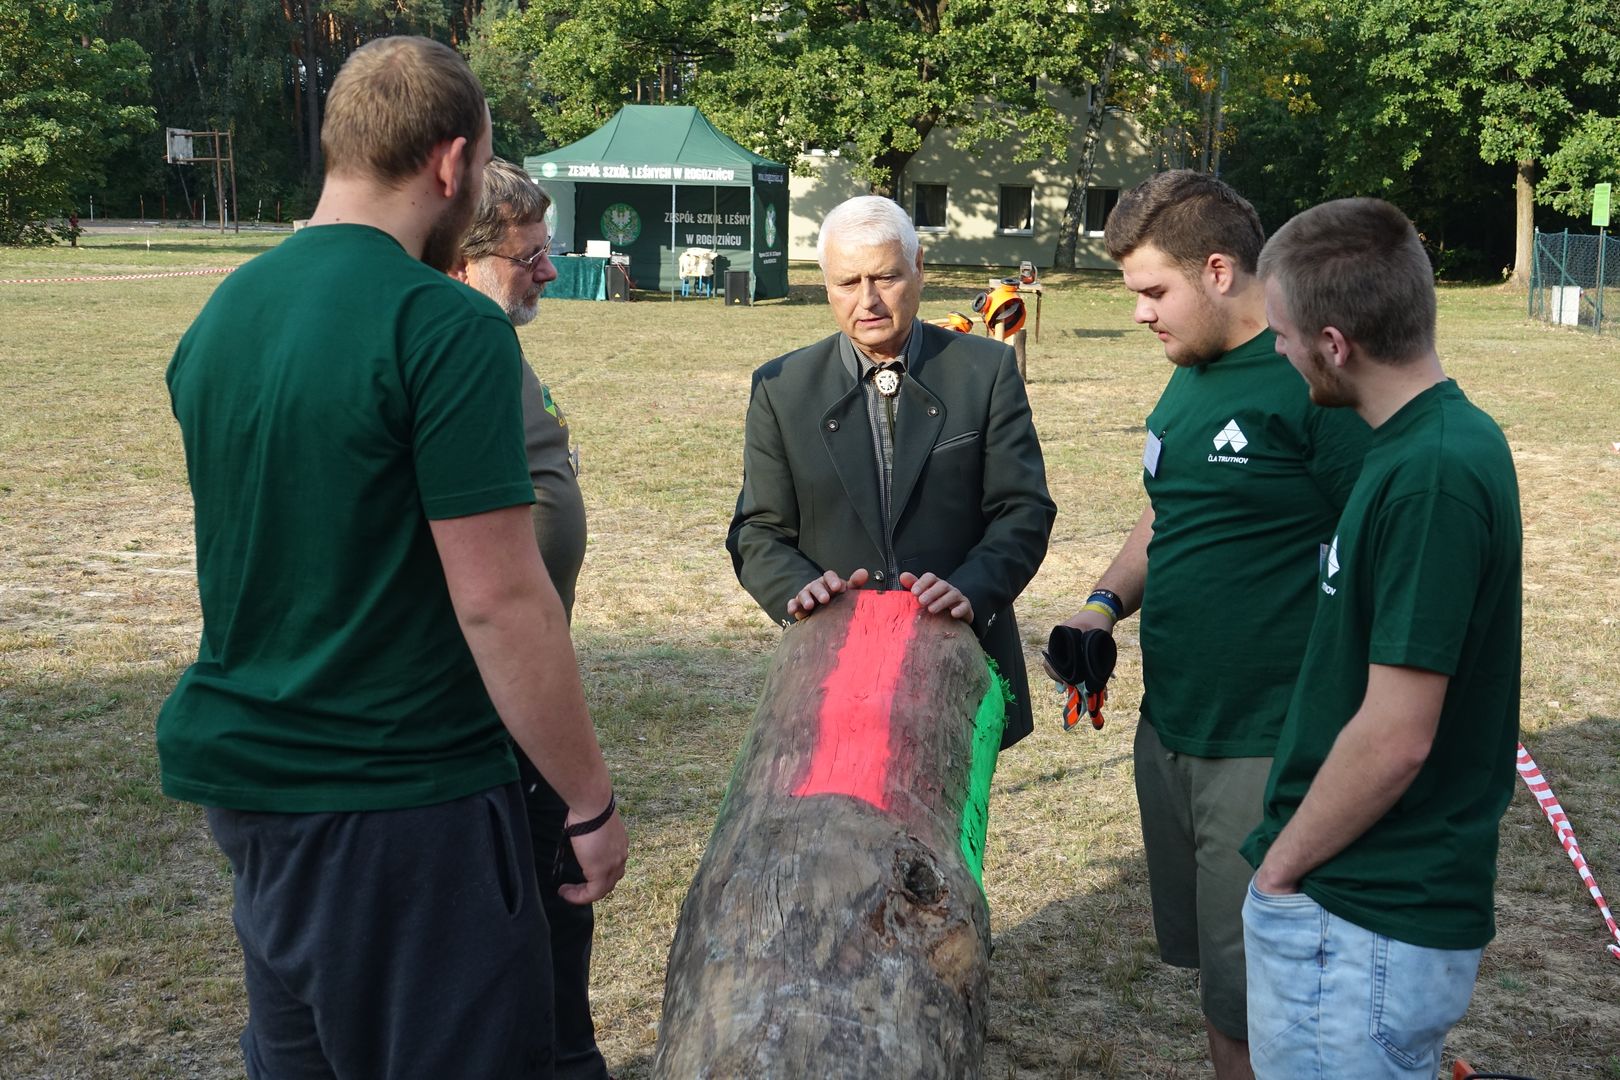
x=1245 y=478
x=375 y=612
x=1376 y=857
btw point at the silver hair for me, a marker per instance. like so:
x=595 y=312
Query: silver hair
x=873 y=220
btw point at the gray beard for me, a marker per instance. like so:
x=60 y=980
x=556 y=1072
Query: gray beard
x=523 y=314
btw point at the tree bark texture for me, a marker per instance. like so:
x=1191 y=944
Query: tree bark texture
x=836 y=926
x=1524 y=197
x=1074 y=211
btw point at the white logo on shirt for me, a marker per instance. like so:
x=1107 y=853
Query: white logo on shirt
x=1332 y=565
x=1231 y=435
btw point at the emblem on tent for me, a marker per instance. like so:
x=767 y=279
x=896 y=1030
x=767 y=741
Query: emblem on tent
x=621 y=225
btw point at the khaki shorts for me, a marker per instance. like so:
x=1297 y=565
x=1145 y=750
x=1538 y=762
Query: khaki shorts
x=1195 y=813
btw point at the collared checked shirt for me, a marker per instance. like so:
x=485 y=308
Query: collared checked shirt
x=880 y=417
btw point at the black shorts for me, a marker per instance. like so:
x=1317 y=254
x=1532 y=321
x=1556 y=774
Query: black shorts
x=394 y=944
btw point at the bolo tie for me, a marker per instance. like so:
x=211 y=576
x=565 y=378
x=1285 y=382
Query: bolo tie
x=887 y=381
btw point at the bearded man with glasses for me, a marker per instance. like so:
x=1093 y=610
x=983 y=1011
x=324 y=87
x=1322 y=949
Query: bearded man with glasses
x=505 y=255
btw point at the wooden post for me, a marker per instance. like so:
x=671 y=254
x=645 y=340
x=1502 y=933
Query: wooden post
x=1021 y=352
x=836 y=926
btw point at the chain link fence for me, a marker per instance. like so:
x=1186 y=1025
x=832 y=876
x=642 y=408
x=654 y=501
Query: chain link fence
x=1572 y=277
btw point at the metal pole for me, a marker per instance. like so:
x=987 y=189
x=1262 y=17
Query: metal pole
x=230 y=148
x=1535 y=273
x=1598 y=313
x=219 y=184
x=674 y=267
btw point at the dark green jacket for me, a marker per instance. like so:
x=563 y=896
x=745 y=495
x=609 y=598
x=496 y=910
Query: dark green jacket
x=969 y=490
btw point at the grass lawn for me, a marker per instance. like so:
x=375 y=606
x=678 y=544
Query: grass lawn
x=117 y=957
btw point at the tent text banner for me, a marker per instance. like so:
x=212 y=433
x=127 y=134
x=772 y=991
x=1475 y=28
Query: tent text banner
x=658 y=179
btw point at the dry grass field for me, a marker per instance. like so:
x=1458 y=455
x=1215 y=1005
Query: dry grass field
x=117 y=957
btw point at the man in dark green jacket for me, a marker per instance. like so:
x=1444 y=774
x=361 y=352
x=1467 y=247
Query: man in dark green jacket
x=893 y=454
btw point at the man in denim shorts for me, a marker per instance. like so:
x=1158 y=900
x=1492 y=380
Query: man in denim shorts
x=1245 y=478
x=1364 y=925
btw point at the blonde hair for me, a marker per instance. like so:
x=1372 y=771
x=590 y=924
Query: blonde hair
x=511 y=199
x=394 y=100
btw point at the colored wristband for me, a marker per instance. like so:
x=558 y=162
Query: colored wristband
x=581 y=828
x=1116 y=606
x=1101 y=609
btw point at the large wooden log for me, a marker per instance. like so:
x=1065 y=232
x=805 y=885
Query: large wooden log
x=837 y=926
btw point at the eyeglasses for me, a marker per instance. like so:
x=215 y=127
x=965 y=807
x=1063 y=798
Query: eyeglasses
x=532 y=263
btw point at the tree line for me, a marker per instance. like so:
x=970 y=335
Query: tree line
x=1477 y=117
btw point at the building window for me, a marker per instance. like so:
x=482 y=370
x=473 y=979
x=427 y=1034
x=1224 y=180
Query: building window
x=1099 y=204
x=928 y=207
x=1017 y=209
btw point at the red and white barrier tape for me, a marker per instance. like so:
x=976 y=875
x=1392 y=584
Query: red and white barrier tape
x=117 y=277
x=1530 y=773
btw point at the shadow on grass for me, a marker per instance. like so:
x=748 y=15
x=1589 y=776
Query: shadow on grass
x=1077 y=988
x=115 y=937
x=117 y=956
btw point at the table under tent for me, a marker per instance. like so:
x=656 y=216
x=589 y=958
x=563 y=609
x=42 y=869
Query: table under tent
x=657 y=180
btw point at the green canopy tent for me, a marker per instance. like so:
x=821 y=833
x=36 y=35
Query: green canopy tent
x=653 y=166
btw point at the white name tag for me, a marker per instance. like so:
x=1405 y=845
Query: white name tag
x=1150 y=454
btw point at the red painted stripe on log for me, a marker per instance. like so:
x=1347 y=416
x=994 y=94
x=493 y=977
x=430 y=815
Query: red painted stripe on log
x=851 y=755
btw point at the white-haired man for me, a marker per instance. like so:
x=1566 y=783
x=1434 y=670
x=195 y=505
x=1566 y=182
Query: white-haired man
x=893 y=454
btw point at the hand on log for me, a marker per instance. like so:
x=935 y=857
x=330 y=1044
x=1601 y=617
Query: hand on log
x=938 y=595
x=822 y=590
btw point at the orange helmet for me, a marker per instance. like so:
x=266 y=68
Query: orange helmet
x=1001 y=308
x=955 y=321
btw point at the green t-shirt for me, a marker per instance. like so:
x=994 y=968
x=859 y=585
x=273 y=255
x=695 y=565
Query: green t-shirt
x=1247 y=483
x=333 y=396
x=1424 y=572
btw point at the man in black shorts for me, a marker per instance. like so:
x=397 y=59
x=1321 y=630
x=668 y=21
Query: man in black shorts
x=376 y=616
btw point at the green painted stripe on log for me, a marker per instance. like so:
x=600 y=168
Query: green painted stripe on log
x=988 y=723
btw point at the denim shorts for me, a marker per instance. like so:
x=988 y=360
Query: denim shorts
x=1329 y=999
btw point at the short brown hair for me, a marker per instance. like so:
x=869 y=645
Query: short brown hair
x=394 y=100
x=1357 y=265
x=511 y=199
x=1187 y=215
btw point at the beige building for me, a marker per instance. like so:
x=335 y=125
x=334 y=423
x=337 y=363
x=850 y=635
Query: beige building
x=984 y=209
